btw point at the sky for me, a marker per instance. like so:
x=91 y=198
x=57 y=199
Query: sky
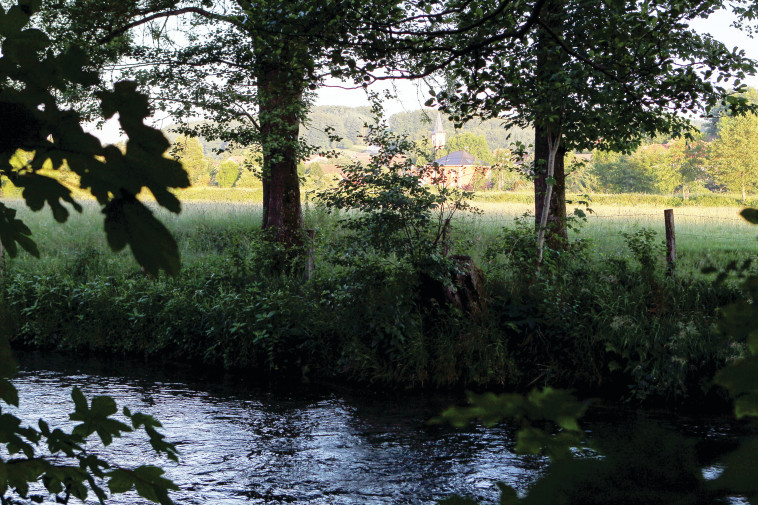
x=412 y=94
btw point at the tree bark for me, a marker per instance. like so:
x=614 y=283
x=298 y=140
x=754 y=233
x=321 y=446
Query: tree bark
x=556 y=232
x=281 y=107
x=549 y=128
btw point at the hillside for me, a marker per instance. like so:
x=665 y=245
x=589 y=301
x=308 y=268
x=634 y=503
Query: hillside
x=418 y=124
x=348 y=123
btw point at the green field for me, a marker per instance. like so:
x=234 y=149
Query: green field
x=703 y=234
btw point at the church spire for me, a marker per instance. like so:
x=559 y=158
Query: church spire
x=438 y=135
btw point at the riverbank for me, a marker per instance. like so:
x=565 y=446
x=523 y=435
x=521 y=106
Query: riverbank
x=602 y=319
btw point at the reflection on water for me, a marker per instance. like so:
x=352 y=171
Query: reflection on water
x=258 y=446
x=261 y=446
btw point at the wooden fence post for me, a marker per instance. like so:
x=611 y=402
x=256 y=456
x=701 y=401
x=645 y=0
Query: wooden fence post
x=668 y=216
x=309 y=260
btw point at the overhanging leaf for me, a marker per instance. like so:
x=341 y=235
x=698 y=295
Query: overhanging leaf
x=741 y=473
x=750 y=215
x=740 y=377
x=128 y=221
x=13 y=231
x=13 y=21
x=40 y=189
x=120 y=481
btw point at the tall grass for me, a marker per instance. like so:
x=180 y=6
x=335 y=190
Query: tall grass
x=704 y=235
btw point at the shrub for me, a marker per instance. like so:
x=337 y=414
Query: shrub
x=228 y=173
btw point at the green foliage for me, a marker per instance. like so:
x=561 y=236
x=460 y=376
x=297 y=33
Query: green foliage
x=506 y=174
x=517 y=244
x=635 y=463
x=735 y=152
x=228 y=173
x=285 y=58
x=404 y=209
x=189 y=152
x=618 y=173
x=738 y=321
x=558 y=84
x=345 y=122
x=601 y=330
x=580 y=175
x=13 y=231
x=315 y=171
x=739 y=378
x=647 y=249
x=248 y=180
x=686 y=165
x=469 y=142
x=52 y=137
x=555 y=406
x=640 y=464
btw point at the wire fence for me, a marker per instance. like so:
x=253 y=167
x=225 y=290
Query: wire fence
x=689 y=225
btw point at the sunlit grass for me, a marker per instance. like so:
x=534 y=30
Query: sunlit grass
x=703 y=234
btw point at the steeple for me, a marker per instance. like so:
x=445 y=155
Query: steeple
x=438 y=135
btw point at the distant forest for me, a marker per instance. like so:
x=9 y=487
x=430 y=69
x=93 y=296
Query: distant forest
x=348 y=123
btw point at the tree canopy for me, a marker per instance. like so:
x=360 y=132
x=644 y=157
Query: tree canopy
x=584 y=74
x=736 y=153
x=474 y=144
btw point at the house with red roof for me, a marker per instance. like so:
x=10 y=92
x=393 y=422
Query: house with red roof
x=460 y=169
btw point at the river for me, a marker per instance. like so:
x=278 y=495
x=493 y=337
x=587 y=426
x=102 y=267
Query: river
x=252 y=445
x=247 y=445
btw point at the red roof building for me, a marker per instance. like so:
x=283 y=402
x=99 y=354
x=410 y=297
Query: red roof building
x=460 y=169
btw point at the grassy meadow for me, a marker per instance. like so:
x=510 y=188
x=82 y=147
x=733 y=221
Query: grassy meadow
x=704 y=234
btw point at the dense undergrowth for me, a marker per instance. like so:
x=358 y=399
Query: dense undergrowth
x=606 y=326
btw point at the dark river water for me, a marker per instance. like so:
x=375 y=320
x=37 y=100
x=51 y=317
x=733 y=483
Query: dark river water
x=242 y=445
x=255 y=446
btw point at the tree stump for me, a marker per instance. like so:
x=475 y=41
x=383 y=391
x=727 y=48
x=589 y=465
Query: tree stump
x=465 y=291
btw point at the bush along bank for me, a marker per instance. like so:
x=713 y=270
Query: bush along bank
x=606 y=327
x=356 y=323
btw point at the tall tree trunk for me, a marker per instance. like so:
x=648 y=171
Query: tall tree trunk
x=548 y=129
x=281 y=107
x=556 y=232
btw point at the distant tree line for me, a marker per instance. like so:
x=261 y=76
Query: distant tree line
x=348 y=124
x=239 y=168
x=723 y=156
